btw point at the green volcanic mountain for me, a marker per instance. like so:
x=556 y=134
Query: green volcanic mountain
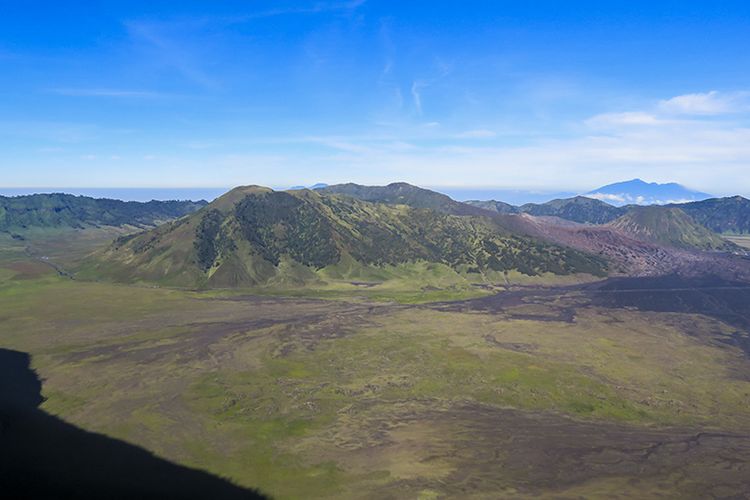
x=401 y=193
x=576 y=209
x=494 y=206
x=65 y=210
x=669 y=226
x=255 y=236
x=722 y=215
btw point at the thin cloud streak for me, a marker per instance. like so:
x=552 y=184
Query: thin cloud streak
x=103 y=92
x=316 y=8
x=709 y=103
x=170 y=52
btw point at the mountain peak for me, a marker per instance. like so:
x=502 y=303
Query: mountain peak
x=640 y=192
x=669 y=226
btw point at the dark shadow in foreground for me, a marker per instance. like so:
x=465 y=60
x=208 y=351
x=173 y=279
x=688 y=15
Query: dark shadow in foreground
x=42 y=456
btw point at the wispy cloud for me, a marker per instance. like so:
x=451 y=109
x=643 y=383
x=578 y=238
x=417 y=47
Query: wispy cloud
x=50 y=131
x=416 y=94
x=606 y=120
x=162 y=41
x=708 y=103
x=681 y=110
x=315 y=8
x=443 y=69
x=103 y=92
x=699 y=151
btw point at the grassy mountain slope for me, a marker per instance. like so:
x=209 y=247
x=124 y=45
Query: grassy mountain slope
x=669 y=226
x=722 y=215
x=494 y=206
x=401 y=193
x=254 y=236
x=64 y=210
x=576 y=209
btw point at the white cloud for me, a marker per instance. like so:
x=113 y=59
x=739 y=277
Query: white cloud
x=619 y=198
x=706 y=153
x=708 y=103
x=607 y=120
x=315 y=8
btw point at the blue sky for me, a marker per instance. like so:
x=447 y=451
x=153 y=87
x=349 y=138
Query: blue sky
x=562 y=96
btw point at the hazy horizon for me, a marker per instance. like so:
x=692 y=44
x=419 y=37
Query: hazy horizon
x=209 y=193
x=143 y=194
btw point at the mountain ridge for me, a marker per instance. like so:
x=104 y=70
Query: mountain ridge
x=66 y=210
x=402 y=193
x=255 y=236
x=729 y=215
x=669 y=226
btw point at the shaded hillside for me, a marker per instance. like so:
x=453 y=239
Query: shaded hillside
x=576 y=209
x=494 y=206
x=255 y=236
x=669 y=226
x=64 y=210
x=401 y=193
x=722 y=215
x=42 y=456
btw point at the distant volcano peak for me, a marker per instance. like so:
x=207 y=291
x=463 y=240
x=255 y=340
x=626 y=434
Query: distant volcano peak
x=640 y=192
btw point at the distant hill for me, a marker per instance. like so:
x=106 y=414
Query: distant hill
x=494 y=206
x=64 y=210
x=722 y=215
x=669 y=226
x=401 y=193
x=576 y=209
x=255 y=236
x=319 y=185
x=638 y=192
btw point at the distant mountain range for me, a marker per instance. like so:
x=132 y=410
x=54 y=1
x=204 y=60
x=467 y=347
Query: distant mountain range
x=577 y=209
x=255 y=236
x=720 y=215
x=65 y=210
x=319 y=185
x=638 y=192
